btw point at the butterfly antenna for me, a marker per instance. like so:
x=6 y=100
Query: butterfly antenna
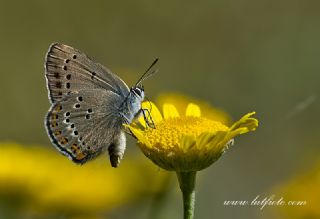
x=147 y=73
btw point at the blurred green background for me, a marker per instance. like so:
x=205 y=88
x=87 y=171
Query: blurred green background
x=241 y=56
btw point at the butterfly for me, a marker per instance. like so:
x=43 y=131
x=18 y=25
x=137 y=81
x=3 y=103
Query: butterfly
x=90 y=104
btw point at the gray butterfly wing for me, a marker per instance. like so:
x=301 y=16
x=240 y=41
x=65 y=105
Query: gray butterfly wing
x=69 y=70
x=85 y=123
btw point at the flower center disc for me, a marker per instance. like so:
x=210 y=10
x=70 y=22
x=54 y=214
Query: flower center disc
x=170 y=131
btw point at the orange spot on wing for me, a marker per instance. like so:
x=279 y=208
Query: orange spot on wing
x=54 y=124
x=58 y=108
x=64 y=141
x=80 y=156
x=56 y=133
x=54 y=116
x=77 y=151
x=74 y=148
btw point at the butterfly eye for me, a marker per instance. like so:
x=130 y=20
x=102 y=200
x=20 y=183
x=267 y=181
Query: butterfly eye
x=137 y=91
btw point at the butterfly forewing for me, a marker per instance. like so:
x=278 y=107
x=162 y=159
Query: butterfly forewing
x=80 y=128
x=69 y=70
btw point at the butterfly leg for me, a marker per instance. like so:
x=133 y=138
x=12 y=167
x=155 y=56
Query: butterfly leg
x=147 y=117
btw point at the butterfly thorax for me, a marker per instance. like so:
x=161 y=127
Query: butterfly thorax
x=131 y=107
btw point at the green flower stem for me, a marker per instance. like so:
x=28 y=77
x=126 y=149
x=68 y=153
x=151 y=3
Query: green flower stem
x=187 y=181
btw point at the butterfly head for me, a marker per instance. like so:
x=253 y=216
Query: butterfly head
x=138 y=92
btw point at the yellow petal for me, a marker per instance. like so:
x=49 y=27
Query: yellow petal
x=187 y=141
x=250 y=124
x=244 y=125
x=170 y=111
x=214 y=143
x=203 y=139
x=181 y=101
x=140 y=136
x=142 y=121
x=193 y=110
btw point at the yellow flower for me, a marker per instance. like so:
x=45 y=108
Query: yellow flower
x=303 y=190
x=186 y=143
x=43 y=181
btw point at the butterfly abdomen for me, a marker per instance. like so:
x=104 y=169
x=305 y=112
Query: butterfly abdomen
x=116 y=149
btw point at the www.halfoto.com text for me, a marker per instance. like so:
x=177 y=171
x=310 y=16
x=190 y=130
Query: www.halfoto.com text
x=262 y=202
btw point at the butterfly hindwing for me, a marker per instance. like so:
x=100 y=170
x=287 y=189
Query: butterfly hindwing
x=69 y=70
x=85 y=123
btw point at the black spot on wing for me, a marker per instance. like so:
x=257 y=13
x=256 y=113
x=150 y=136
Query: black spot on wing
x=60 y=148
